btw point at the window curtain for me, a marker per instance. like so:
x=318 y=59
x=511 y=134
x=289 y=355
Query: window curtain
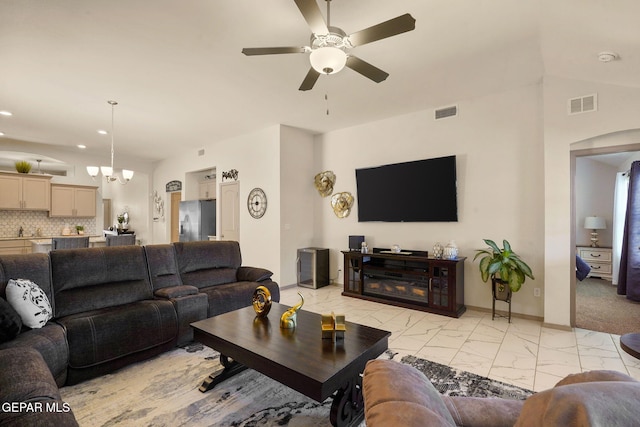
x=619 y=212
x=629 y=275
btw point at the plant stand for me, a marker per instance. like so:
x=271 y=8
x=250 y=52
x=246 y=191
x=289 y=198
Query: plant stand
x=500 y=295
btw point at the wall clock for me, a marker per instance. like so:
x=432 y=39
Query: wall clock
x=257 y=202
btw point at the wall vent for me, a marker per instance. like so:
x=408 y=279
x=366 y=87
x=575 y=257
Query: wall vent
x=201 y=152
x=583 y=104
x=442 y=113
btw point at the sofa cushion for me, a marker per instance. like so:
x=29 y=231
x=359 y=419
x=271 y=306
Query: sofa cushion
x=29 y=382
x=398 y=394
x=29 y=301
x=600 y=403
x=10 y=322
x=102 y=335
x=163 y=268
x=93 y=278
x=35 y=267
x=208 y=263
x=233 y=296
x=50 y=341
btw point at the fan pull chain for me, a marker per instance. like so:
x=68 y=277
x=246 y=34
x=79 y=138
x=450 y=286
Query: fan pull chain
x=326 y=99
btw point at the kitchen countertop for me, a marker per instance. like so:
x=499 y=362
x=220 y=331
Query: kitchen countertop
x=47 y=240
x=47 y=237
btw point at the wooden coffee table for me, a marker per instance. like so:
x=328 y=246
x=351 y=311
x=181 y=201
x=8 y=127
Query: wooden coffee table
x=298 y=358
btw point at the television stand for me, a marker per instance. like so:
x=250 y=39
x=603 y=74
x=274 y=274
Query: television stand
x=408 y=279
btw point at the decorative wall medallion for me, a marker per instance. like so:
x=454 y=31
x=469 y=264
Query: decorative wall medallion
x=257 y=203
x=324 y=182
x=341 y=204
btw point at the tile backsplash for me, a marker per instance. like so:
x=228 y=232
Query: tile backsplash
x=11 y=221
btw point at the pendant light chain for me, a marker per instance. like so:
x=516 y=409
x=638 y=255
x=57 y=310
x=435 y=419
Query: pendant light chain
x=113 y=104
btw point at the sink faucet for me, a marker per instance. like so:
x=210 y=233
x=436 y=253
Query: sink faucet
x=21 y=232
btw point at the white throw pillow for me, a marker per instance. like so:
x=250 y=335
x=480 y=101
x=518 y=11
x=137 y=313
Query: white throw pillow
x=29 y=301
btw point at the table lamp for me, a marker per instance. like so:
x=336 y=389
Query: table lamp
x=594 y=223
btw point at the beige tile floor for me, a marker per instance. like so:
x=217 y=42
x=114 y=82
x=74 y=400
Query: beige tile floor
x=522 y=352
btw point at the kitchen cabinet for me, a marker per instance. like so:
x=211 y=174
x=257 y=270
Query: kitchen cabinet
x=207 y=189
x=72 y=201
x=15 y=247
x=25 y=191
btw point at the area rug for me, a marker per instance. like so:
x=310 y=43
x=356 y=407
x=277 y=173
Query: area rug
x=164 y=392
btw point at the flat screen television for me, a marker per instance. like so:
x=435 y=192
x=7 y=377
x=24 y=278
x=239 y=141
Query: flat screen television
x=417 y=191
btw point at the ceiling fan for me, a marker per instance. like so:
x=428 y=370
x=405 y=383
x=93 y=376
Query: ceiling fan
x=330 y=45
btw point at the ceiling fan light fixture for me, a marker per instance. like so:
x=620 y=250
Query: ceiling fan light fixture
x=328 y=59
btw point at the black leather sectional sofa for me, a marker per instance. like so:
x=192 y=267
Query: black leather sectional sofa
x=111 y=307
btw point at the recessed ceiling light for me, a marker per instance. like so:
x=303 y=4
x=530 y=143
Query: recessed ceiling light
x=1 y=133
x=81 y=146
x=102 y=132
x=6 y=113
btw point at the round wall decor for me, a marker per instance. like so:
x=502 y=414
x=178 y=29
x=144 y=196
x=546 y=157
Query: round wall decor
x=257 y=202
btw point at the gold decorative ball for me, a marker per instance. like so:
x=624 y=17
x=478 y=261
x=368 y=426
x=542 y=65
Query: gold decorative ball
x=262 y=301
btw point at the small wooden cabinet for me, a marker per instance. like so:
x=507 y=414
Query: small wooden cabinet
x=410 y=279
x=15 y=247
x=599 y=259
x=24 y=191
x=207 y=189
x=72 y=201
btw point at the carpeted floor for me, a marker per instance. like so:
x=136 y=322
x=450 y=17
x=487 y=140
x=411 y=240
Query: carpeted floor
x=163 y=392
x=600 y=308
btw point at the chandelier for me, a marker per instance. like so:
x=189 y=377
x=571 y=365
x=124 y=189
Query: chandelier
x=107 y=171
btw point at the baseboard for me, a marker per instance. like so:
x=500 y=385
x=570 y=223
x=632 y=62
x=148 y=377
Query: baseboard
x=503 y=313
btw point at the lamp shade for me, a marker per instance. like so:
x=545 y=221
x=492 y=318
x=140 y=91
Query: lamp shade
x=127 y=174
x=328 y=59
x=106 y=170
x=595 y=223
x=93 y=171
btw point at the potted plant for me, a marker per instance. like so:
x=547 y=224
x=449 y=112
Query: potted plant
x=504 y=267
x=23 y=166
x=80 y=229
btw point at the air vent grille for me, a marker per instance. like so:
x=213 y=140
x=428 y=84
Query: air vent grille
x=442 y=113
x=201 y=152
x=583 y=104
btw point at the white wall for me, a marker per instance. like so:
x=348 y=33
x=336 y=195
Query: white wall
x=256 y=157
x=618 y=110
x=500 y=171
x=594 y=188
x=298 y=195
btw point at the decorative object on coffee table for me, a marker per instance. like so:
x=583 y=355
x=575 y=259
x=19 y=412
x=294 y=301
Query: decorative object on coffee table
x=288 y=318
x=341 y=204
x=506 y=270
x=262 y=301
x=333 y=326
x=324 y=182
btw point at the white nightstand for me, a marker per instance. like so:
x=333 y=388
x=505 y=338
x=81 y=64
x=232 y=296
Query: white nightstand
x=599 y=259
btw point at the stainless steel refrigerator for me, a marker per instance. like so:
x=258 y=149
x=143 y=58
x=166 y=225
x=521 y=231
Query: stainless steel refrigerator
x=197 y=220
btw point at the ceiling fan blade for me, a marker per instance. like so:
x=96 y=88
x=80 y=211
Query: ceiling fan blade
x=312 y=14
x=392 y=27
x=366 y=69
x=249 y=51
x=309 y=80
